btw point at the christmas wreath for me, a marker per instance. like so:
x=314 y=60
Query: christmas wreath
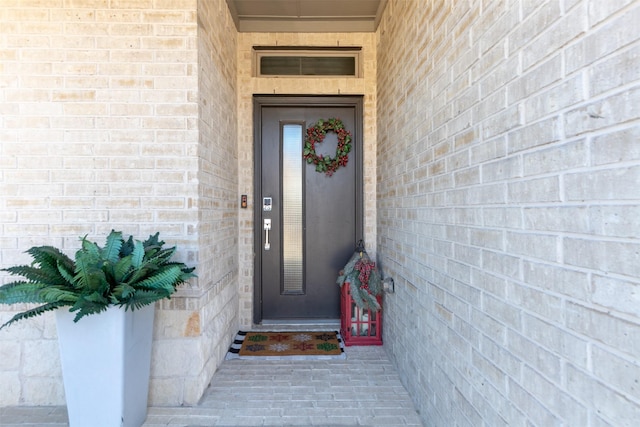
x=316 y=134
x=363 y=279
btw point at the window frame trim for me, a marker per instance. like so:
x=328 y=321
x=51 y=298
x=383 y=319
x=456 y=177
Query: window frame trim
x=258 y=52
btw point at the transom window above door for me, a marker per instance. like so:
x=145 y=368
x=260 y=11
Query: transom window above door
x=306 y=61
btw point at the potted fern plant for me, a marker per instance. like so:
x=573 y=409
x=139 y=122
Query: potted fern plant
x=106 y=357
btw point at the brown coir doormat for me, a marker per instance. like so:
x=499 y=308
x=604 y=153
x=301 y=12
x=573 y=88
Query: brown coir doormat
x=287 y=345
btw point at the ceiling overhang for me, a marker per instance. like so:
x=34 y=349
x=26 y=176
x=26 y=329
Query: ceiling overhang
x=306 y=16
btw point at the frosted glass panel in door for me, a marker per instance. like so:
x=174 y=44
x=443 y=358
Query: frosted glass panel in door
x=292 y=247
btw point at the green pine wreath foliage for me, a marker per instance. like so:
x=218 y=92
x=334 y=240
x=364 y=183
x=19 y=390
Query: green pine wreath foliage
x=363 y=279
x=127 y=273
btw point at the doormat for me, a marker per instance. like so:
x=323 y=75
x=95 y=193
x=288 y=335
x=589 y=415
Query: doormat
x=317 y=345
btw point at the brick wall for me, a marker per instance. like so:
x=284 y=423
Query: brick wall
x=508 y=187
x=218 y=200
x=106 y=123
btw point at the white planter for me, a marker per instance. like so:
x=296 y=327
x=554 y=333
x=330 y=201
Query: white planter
x=106 y=361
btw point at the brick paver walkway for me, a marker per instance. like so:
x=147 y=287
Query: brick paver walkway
x=363 y=390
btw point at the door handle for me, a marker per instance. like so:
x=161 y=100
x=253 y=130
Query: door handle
x=267 y=227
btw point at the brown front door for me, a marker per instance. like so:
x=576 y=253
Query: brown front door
x=307 y=223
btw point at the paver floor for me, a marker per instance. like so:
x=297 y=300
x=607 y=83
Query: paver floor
x=363 y=390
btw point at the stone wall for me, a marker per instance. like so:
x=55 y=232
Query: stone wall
x=105 y=122
x=508 y=187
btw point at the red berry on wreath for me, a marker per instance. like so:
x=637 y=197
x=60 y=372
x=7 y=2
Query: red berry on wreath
x=328 y=164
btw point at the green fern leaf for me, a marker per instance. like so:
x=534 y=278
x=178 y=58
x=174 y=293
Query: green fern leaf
x=142 y=298
x=33 y=312
x=90 y=248
x=127 y=291
x=186 y=274
x=111 y=250
x=161 y=257
x=88 y=274
x=138 y=254
x=53 y=295
x=89 y=304
x=127 y=247
x=47 y=271
x=122 y=293
x=86 y=308
x=34 y=274
x=60 y=257
x=67 y=273
x=153 y=240
x=165 y=278
x=96 y=298
x=122 y=269
x=155 y=260
x=141 y=273
x=21 y=292
x=48 y=258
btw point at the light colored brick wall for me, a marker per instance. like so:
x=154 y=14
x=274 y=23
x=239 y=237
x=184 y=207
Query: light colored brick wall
x=106 y=124
x=508 y=188
x=249 y=86
x=218 y=200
